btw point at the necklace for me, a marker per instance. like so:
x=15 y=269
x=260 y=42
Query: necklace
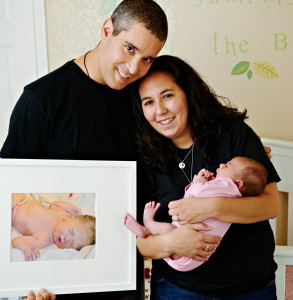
x=85 y=64
x=181 y=164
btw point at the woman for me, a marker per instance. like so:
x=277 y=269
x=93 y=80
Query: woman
x=182 y=127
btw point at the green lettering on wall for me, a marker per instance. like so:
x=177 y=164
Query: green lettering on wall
x=230 y=45
x=242 y=46
x=280 y=41
x=215 y=38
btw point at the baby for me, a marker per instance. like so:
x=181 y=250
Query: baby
x=61 y=224
x=239 y=177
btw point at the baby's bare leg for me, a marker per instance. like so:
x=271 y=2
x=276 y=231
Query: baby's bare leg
x=135 y=227
x=148 y=219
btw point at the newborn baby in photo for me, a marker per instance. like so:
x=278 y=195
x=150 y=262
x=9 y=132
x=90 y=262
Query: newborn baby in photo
x=61 y=223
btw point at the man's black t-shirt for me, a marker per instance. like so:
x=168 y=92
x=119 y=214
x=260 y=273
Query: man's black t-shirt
x=66 y=115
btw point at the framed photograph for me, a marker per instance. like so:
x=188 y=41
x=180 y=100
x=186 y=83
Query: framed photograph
x=49 y=202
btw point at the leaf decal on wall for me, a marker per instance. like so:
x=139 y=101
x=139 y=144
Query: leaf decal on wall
x=249 y=74
x=265 y=70
x=107 y=6
x=241 y=68
x=261 y=68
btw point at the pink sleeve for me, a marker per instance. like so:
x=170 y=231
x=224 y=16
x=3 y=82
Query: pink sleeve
x=218 y=187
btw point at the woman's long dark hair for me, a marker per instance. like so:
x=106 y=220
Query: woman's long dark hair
x=208 y=115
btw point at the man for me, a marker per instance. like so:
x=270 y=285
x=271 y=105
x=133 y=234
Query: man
x=82 y=110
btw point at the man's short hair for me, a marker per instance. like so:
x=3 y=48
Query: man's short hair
x=147 y=12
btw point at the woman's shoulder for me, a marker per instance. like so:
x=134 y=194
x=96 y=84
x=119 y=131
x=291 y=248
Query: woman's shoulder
x=235 y=126
x=235 y=130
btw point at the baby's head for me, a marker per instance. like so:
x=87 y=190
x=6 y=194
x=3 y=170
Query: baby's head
x=249 y=175
x=75 y=232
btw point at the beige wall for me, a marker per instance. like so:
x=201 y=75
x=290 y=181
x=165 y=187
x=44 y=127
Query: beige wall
x=214 y=36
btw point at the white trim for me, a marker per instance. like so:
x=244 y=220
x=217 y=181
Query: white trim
x=278 y=144
x=283 y=257
x=282 y=158
x=40 y=37
x=290 y=220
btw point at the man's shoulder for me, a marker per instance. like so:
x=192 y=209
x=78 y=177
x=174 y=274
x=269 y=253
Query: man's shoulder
x=50 y=79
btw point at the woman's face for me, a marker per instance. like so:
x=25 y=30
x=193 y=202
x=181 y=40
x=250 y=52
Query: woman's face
x=165 y=107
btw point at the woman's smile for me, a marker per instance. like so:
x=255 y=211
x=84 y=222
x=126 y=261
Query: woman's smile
x=166 y=121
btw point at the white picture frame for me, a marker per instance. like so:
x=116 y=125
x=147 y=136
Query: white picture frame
x=114 y=265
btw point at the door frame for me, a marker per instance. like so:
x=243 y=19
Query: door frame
x=40 y=37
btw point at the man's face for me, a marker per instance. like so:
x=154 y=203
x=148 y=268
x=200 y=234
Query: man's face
x=124 y=58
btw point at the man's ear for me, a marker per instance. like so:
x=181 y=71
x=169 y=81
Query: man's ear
x=107 y=29
x=239 y=183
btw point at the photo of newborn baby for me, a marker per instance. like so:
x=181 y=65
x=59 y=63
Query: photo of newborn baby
x=53 y=226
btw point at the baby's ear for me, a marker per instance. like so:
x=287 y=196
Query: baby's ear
x=239 y=183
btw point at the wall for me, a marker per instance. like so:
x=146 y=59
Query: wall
x=214 y=36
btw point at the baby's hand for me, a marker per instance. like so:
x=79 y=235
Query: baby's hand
x=203 y=176
x=70 y=208
x=31 y=253
x=75 y=211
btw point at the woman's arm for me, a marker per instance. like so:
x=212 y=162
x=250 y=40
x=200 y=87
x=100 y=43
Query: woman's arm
x=183 y=240
x=243 y=210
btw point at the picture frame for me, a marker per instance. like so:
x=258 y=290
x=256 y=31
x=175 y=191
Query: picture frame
x=114 y=265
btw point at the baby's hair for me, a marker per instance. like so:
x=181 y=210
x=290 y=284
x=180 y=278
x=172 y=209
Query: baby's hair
x=91 y=222
x=254 y=177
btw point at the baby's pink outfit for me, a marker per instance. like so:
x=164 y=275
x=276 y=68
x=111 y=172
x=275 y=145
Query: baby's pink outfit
x=218 y=187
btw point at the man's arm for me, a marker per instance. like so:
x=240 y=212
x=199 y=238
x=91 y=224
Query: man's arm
x=243 y=210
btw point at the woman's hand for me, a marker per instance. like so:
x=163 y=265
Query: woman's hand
x=42 y=294
x=186 y=241
x=190 y=210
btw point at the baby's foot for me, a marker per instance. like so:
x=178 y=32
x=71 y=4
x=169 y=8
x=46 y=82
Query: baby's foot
x=150 y=210
x=134 y=226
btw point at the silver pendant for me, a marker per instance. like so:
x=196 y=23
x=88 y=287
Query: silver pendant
x=182 y=165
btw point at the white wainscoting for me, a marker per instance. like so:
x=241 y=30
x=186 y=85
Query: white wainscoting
x=282 y=158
